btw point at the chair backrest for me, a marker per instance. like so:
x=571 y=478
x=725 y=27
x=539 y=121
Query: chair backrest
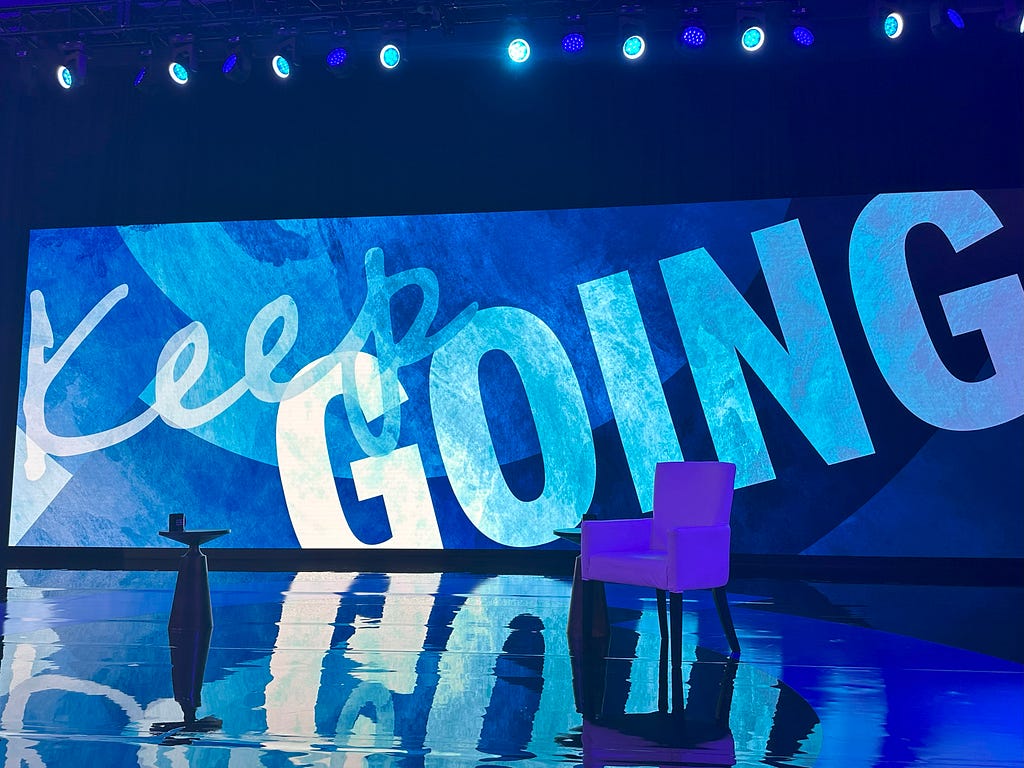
x=691 y=493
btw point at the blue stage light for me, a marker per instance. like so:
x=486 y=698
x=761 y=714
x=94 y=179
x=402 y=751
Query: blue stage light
x=803 y=36
x=752 y=38
x=519 y=50
x=634 y=47
x=336 y=57
x=178 y=72
x=893 y=25
x=143 y=70
x=237 y=64
x=693 y=36
x=947 y=22
x=573 y=42
x=390 y=56
x=280 y=66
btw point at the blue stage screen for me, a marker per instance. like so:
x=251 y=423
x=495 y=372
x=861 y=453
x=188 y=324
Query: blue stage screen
x=473 y=381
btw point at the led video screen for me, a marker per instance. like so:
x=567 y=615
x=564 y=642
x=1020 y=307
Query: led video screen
x=475 y=381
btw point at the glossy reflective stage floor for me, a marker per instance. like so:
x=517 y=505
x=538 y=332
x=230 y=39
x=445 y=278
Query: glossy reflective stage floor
x=325 y=669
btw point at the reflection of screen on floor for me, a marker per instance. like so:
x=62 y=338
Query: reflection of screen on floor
x=478 y=380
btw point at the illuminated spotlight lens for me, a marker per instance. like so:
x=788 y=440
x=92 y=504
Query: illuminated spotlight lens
x=390 y=56
x=178 y=72
x=693 y=37
x=65 y=78
x=280 y=66
x=140 y=76
x=634 y=47
x=336 y=57
x=893 y=25
x=229 y=63
x=955 y=18
x=752 y=39
x=519 y=50
x=803 y=36
x=572 y=42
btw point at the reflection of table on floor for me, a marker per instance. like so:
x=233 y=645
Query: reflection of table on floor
x=588 y=609
x=191 y=625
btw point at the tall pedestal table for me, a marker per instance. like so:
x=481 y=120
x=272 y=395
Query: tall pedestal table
x=191 y=623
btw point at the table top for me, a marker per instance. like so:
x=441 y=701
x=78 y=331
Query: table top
x=195 y=538
x=569 y=534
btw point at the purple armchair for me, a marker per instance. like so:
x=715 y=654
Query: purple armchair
x=683 y=545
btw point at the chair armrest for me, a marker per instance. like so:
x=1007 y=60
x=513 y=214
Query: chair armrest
x=699 y=556
x=615 y=536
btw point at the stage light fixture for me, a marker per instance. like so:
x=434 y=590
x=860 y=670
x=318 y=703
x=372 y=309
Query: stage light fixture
x=71 y=70
x=691 y=33
x=237 y=64
x=335 y=60
x=283 y=61
x=752 y=38
x=65 y=77
x=800 y=31
x=693 y=36
x=182 y=63
x=945 y=19
x=390 y=56
x=179 y=73
x=892 y=25
x=802 y=36
x=953 y=17
x=751 y=25
x=574 y=40
x=143 y=70
x=519 y=51
x=393 y=38
x=632 y=32
x=280 y=66
x=633 y=47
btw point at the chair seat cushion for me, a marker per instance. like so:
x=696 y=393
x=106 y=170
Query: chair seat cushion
x=644 y=569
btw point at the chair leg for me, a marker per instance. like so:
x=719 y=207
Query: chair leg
x=663 y=677
x=722 y=606
x=662 y=615
x=675 y=610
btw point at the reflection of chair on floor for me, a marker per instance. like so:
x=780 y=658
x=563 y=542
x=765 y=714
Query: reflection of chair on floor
x=683 y=545
x=695 y=734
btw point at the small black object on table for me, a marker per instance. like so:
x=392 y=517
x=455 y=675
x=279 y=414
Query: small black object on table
x=189 y=629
